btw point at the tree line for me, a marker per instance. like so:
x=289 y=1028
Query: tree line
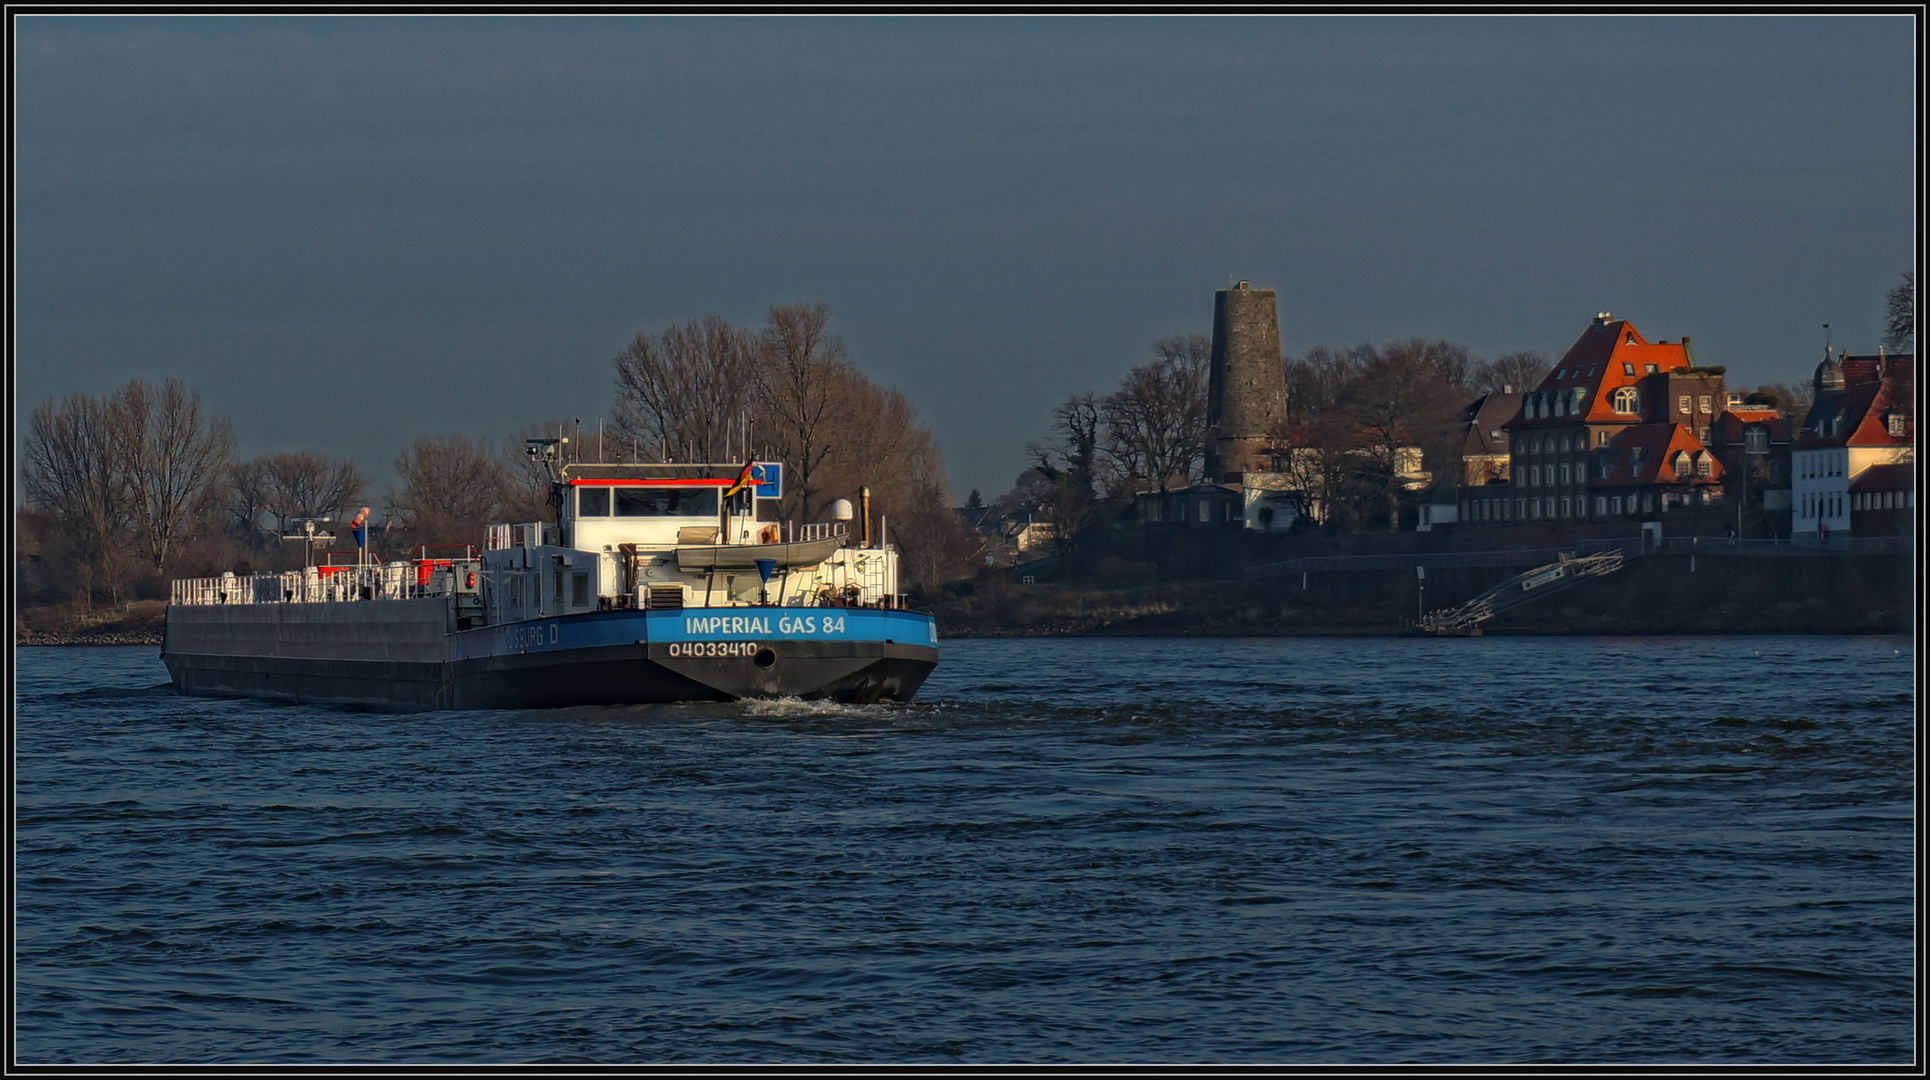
x=126 y=490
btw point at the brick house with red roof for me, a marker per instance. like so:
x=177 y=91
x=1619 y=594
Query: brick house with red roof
x=1618 y=428
x=1753 y=444
x=1864 y=416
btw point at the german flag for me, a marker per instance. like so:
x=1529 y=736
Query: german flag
x=743 y=481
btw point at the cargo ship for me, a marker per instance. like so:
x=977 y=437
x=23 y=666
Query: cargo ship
x=654 y=583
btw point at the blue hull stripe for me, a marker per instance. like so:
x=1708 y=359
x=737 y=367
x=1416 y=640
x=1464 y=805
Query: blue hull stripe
x=602 y=628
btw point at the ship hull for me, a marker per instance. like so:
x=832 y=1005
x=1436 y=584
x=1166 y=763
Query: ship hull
x=400 y=656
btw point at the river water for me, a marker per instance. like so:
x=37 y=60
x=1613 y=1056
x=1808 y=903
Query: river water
x=1301 y=850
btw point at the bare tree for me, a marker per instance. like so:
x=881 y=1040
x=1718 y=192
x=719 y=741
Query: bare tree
x=1790 y=400
x=285 y=488
x=69 y=469
x=174 y=456
x=803 y=382
x=1155 y=423
x=1317 y=381
x=1397 y=402
x=1069 y=462
x=1900 y=315
x=679 y=391
x=452 y=486
x=1516 y=372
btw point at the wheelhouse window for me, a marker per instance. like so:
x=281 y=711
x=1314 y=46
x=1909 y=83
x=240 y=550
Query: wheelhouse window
x=638 y=501
x=645 y=502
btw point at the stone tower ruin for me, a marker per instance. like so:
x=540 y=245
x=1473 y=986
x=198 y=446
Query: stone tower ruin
x=1246 y=404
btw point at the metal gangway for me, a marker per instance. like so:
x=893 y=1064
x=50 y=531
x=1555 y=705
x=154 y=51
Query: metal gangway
x=1567 y=572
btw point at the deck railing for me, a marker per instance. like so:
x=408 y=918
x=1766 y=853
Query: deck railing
x=323 y=585
x=821 y=530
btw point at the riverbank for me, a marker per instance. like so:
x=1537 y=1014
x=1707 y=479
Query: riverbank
x=118 y=637
x=140 y=623
x=1657 y=594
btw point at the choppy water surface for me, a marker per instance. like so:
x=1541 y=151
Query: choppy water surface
x=1089 y=850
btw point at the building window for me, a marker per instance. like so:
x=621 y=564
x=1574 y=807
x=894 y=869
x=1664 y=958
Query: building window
x=1564 y=506
x=1648 y=502
x=1705 y=403
x=1628 y=369
x=1756 y=440
x=1624 y=400
x=1683 y=466
x=1601 y=438
x=1703 y=467
x=1648 y=369
x=1564 y=473
x=1899 y=425
x=1683 y=403
x=1601 y=505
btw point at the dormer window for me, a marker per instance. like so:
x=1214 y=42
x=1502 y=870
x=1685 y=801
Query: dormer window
x=1703 y=466
x=1630 y=340
x=1648 y=369
x=1684 y=467
x=1624 y=400
x=1899 y=425
x=1628 y=369
x=1756 y=439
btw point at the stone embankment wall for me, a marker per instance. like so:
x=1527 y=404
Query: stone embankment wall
x=88 y=637
x=1656 y=594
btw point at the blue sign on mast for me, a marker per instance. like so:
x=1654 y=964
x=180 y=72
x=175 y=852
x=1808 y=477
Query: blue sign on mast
x=767 y=478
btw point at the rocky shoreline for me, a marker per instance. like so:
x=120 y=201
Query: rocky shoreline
x=88 y=637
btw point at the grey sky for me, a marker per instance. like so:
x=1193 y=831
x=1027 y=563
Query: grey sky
x=348 y=233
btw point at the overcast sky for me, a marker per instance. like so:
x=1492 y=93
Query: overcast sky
x=346 y=233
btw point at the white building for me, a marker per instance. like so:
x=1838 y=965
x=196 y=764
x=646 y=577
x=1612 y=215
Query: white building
x=1863 y=416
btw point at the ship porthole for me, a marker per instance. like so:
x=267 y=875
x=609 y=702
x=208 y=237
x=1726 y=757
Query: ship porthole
x=765 y=658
